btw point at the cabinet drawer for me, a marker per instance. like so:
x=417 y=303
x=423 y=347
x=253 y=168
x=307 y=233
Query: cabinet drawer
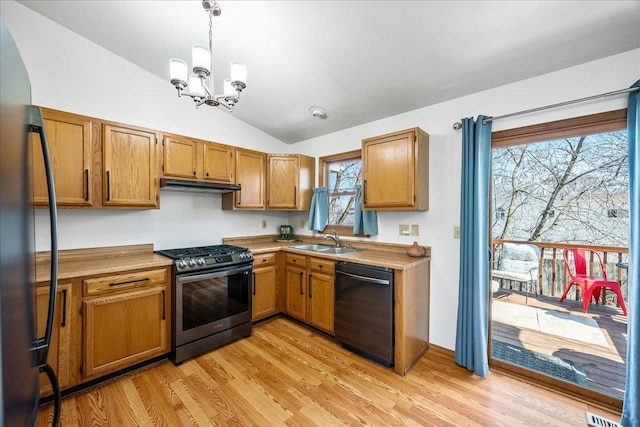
x=264 y=259
x=300 y=260
x=321 y=264
x=124 y=281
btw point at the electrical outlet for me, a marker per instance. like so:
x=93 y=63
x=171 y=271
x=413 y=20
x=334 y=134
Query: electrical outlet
x=264 y=223
x=456 y=231
x=415 y=230
x=404 y=230
x=302 y=223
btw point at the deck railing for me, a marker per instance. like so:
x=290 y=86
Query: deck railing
x=552 y=273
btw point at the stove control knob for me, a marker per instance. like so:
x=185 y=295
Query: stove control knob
x=200 y=262
x=192 y=262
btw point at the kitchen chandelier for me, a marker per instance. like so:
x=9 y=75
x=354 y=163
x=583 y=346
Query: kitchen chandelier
x=200 y=86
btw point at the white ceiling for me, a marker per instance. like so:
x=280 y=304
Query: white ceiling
x=360 y=60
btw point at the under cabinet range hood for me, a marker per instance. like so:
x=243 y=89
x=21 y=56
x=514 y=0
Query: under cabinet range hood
x=197 y=186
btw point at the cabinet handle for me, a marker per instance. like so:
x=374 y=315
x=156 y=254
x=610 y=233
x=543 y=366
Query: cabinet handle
x=146 y=279
x=194 y=173
x=164 y=305
x=364 y=192
x=207 y=173
x=64 y=308
x=311 y=275
x=86 y=183
x=301 y=273
x=254 y=283
x=108 y=187
x=239 y=193
x=295 y=195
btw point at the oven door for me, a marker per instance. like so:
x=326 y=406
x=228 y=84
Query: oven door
x=211 y=302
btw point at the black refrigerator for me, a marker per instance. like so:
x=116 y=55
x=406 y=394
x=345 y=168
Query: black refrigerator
x=24 y=354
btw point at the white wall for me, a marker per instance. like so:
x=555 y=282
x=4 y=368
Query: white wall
x=70 y=73
x=52 y=55
x=436 y=225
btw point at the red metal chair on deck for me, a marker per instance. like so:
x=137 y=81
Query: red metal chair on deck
x=590 y=286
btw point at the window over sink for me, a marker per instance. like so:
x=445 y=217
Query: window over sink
x=340 y=173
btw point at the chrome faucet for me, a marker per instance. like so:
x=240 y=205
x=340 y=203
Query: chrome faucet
x=334 y=237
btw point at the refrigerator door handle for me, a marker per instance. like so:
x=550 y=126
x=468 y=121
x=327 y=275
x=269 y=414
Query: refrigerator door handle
x=35 y=124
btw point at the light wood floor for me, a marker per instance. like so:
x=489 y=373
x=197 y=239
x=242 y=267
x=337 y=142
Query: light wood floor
x=286 y=374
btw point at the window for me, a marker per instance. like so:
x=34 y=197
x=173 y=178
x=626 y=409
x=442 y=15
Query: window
x=340 y=173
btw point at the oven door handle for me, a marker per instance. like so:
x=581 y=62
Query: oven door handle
x=210 y=275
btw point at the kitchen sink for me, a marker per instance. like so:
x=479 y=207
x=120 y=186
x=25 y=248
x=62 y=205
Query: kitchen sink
x=338 y=250
x=315 y=248
x=326 y=249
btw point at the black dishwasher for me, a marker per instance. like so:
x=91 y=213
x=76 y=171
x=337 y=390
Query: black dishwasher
x=364 y=310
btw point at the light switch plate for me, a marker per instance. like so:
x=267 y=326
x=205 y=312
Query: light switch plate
x=456 y=232
x=264 y=223
x=404 y=230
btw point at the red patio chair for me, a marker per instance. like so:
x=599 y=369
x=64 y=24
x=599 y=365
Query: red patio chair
x=589 y=285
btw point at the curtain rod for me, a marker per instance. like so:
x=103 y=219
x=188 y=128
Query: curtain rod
x=458 y=125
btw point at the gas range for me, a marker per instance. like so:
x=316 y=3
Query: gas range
x=207 y=257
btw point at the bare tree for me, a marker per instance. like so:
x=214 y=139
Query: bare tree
x=572 y=190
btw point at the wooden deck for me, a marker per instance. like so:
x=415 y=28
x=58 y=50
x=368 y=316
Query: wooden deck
x=604 y=366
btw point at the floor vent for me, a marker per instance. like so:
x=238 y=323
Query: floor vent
x=597 y=421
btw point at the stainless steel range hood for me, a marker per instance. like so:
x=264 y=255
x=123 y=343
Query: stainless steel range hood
x=197 y=186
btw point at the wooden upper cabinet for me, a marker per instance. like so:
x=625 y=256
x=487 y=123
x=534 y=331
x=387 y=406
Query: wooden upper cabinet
x=193 y=159
x=217 y=162
x=395 y=171
x=180 y=157
x=290 y=179
x=250 y=175
x=130 y=172
x=71 y=149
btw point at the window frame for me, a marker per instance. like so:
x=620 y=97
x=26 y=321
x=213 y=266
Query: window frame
x=323 y=162
x=609 y=121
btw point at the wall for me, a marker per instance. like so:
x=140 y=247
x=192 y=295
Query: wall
x=53 y=54
x=70 y=73
x=436 y=225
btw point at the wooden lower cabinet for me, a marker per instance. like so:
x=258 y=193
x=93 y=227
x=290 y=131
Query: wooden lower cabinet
x=310 y=290
x=296 y=291
x=126 y=320
x=263 y=298
x=59 y=356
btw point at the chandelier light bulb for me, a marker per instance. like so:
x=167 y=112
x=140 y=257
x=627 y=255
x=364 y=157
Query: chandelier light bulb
x=239 y=73
x=201 y=60
x=178 y=72
x=195 y=85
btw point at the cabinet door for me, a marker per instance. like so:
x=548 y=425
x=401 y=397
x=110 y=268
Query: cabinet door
x=130 y=176
x=250 y=175
x=321 y=301
x=263 y=301
x=59 y=356
x=388 y=165
x=123 y=329
x=282 y=182
x=295 y=293
x=218 y=164
x=180 y=156
x=70 y=149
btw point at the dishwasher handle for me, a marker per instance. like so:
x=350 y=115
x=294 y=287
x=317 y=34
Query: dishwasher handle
x=365 y=279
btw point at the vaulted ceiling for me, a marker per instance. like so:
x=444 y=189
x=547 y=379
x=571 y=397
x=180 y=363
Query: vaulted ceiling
x=360 y=60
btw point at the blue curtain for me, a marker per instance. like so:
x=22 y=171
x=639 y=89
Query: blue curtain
x=365 y=222
x=319 y=209
x=630 y=410
x=473 y=299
